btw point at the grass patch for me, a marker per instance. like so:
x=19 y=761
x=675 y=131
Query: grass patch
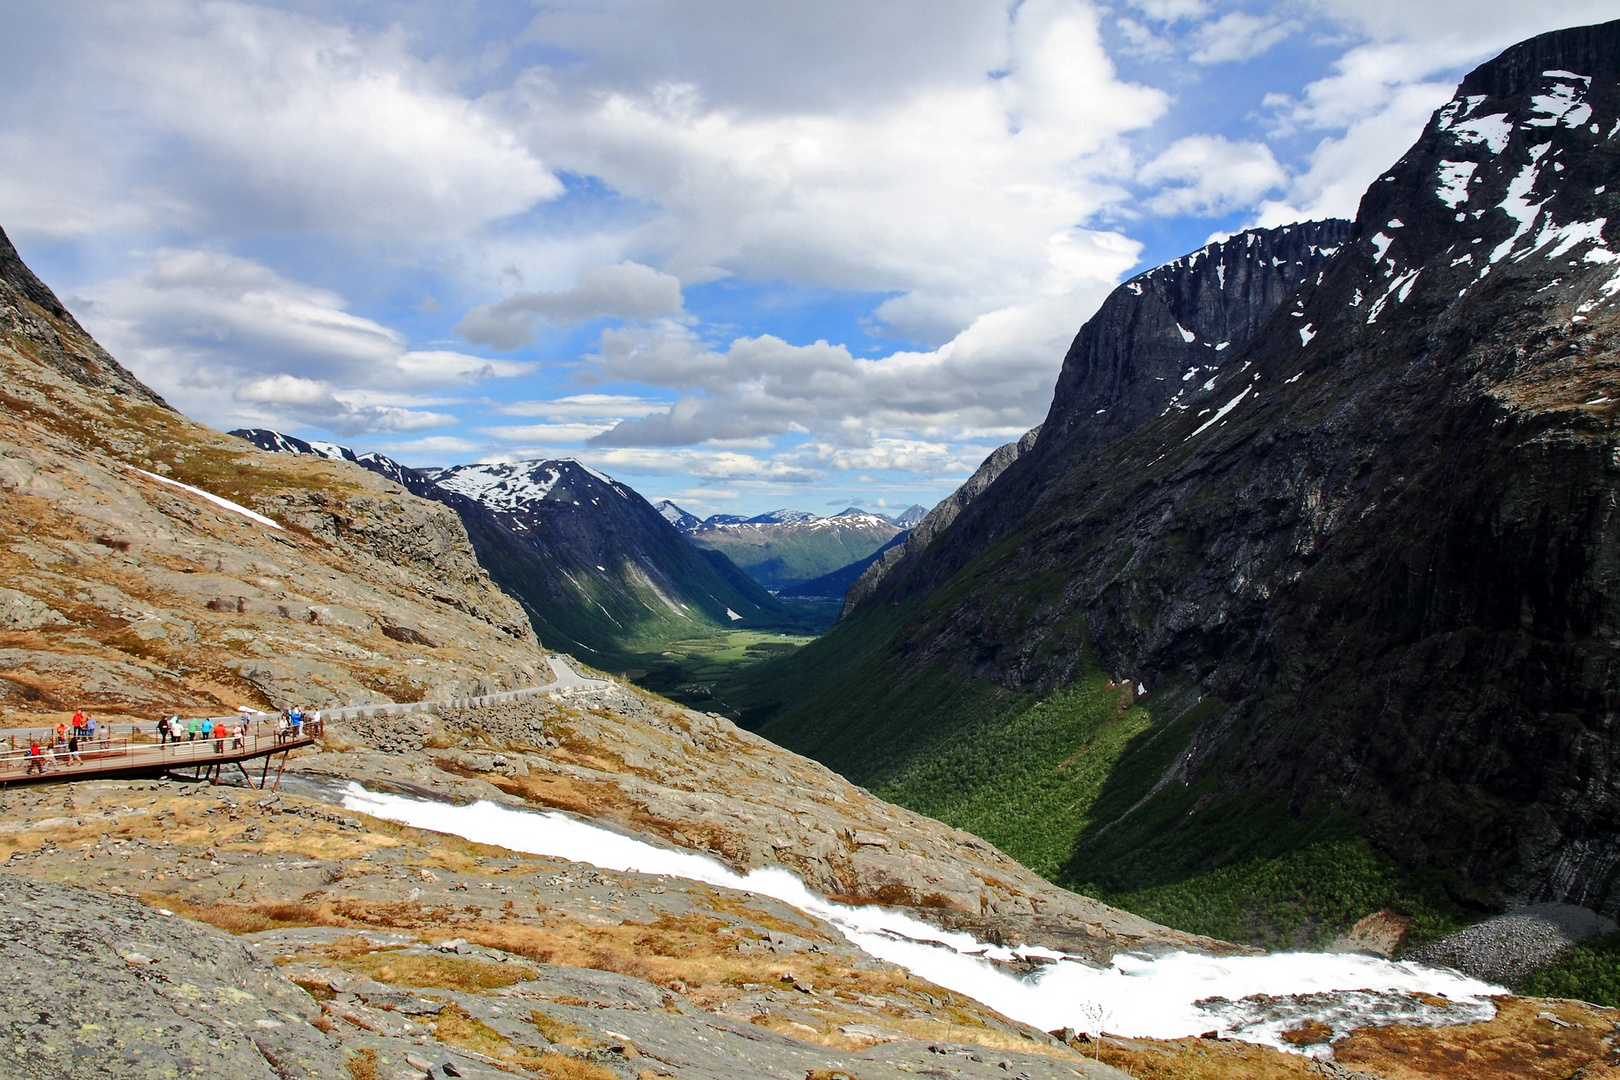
x=693 y=669
x=1301 y=899
x=1080 y=785
x=445 y=972
x=455 y=1027
x=560 y=1032
x=1589 y=971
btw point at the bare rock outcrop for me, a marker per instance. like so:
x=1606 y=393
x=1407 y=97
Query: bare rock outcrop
x=100 y=985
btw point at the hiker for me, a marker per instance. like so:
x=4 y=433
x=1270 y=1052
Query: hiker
x=283 y=728
x=73 y=751
x=297 y=719
x=61 y=732
x=78 y=722
x=240 y=734
x=219 y=736
x=90 y=728
x=36 y=758
x=193 y=728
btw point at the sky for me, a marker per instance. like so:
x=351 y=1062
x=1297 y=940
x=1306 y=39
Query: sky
x=744 y=256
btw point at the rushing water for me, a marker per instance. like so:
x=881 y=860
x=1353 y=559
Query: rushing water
x=1253 y=998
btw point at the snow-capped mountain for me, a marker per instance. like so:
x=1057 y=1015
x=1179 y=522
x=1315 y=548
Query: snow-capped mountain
x=677 y=517
x=599 y=570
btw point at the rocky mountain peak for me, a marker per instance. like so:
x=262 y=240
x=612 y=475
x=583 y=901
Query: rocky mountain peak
x=515 y=487
x=30 y=310
x=1160 y=335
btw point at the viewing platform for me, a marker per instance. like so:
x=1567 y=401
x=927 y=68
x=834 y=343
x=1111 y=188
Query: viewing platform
x=132 y=756
x=122 y=757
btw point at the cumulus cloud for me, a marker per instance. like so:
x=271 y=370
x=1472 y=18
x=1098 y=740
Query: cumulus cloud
x=949 y=188
x=266 y=120
x=1208 y=174
x=209 y=329
x=626 y=291
x=996 y=376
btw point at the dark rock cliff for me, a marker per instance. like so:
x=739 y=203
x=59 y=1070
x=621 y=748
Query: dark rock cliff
x=1157 y=343
x=1384 y=534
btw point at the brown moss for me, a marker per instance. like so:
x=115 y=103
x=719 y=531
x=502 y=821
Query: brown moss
x=561 y=1032
x=456 y=1028
x=1309 y=1033
x=1518 y=1044
x=362 y=1065
x=446 y=972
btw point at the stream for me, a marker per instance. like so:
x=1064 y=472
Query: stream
x=1167 y=996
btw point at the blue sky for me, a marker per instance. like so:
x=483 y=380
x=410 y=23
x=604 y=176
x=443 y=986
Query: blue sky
x=741 y=255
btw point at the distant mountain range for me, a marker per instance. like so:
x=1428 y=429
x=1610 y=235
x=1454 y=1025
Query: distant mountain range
x=785 y=549
x=600 y=572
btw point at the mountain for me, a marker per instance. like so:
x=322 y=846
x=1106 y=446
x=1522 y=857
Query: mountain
x=152 y=565
x=599 y=570
x=785 y=548
x=676 y=516
x=1313 y=611
x=834 y=585
x=893 y=556
x=910 y=516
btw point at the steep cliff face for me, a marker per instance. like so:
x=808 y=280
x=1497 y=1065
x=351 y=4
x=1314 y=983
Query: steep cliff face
x=152 y=565
x=1159 y=342
x=1380 y=540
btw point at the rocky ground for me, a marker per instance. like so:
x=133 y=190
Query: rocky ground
x=1508 y=947
x=161 y=928
x=167 y=929
x=403 y=954
x=640 y=764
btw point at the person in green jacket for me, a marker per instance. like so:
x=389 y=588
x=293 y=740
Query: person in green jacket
x=193 y=729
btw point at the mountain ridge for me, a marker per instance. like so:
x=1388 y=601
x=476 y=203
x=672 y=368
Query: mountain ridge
x=1363 y=572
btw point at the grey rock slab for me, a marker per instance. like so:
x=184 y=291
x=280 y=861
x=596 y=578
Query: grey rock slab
x=102 y=986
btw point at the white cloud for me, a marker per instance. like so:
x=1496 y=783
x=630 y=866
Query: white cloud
x=1207 y=174
x=626 y=291
x=996 y=376
x=949 y=189
x=1173 y=10
x=1342 y=167
x=1238 y=36
x=586 y=406
x=318 y=404
x=233 y=116
x=436 y=448
x=214 y=332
